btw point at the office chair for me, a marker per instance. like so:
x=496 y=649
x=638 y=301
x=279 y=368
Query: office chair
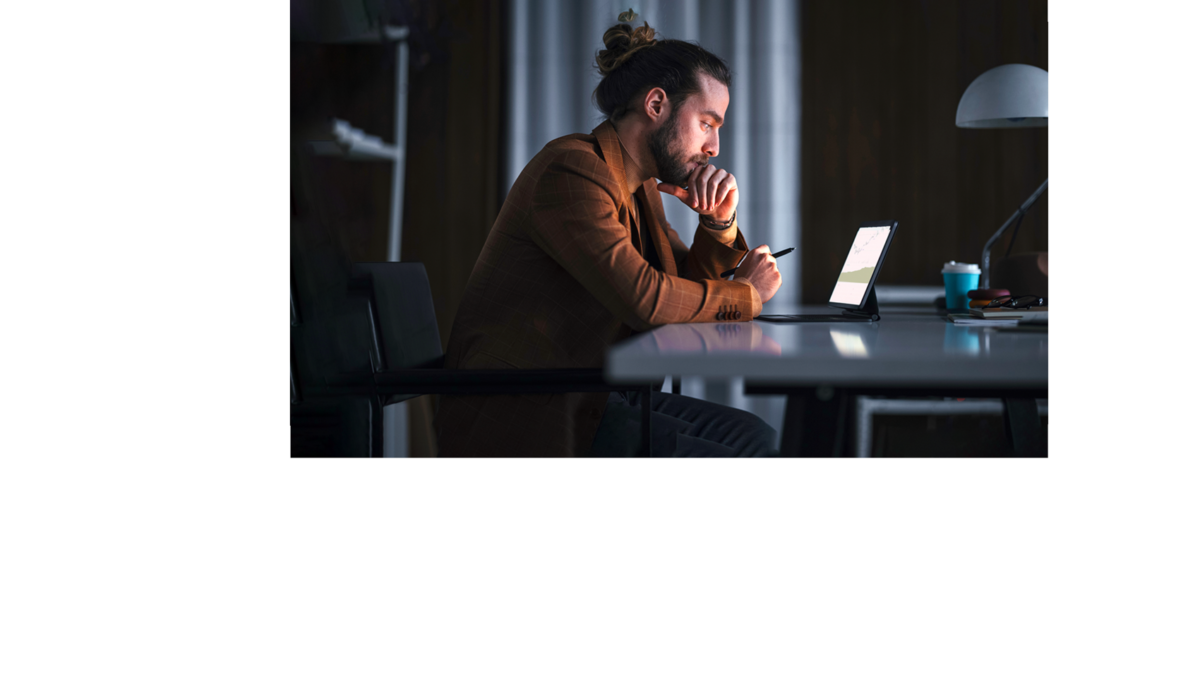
x=323 y=426
x=406 y=354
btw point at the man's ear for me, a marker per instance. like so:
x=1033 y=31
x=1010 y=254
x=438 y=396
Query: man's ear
x=656 y=104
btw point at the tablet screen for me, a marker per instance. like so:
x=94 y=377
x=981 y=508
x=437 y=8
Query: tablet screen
x=860 y=265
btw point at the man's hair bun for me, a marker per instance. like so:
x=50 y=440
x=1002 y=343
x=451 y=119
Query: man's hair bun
x=633 y=61
x=621 y=42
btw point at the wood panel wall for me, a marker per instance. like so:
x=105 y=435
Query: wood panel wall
x=453 y=184
x=881 y=84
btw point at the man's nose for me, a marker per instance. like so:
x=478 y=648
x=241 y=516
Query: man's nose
x=712 y=147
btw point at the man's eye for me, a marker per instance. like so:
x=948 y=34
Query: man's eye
x=706 y=126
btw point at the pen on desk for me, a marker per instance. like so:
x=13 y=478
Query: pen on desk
x=777 y=255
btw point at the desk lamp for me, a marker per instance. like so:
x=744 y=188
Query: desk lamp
x=1013 y=95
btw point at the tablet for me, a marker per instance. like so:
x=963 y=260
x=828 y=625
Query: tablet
x=854 y=291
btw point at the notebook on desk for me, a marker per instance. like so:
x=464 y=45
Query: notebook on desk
x=854 y=292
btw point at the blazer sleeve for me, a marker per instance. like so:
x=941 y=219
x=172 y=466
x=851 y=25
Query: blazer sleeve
x=707 y=257
x=575 y=219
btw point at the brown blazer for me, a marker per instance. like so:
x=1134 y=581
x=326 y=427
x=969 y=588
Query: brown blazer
x=562 y=278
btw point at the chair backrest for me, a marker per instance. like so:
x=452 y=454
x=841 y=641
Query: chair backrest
x=403 y=309
x=329 y=337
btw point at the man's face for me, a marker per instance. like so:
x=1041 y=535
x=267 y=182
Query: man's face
x=688 y=137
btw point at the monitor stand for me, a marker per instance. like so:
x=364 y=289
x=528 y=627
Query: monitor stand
x=869 y=313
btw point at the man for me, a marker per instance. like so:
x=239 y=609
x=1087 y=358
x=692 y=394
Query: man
x=581 y=256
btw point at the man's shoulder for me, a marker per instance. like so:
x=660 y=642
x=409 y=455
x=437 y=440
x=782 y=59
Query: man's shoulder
x=574 y=142
x=571 y=149
x=575 y=160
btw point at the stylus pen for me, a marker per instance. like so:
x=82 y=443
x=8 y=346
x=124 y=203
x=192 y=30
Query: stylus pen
x=777 y=255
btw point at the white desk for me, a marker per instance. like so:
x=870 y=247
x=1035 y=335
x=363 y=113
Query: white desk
x=822 y=366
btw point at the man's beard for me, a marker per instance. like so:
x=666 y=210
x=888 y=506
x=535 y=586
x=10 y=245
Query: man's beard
x=668 y=156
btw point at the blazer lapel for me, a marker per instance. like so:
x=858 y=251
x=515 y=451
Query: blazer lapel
x=655 y=217
x=610 y=149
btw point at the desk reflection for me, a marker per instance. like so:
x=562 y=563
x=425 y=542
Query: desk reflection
x=716 y=337
x=969 y=340
x=849 y=344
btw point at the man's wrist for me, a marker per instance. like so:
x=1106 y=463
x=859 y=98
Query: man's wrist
x=717 y=225
x=726 y=235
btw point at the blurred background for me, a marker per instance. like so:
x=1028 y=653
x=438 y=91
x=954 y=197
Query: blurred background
x=840 y=112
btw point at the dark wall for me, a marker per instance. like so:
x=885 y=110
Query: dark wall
x=452 y=189
x=881 y=84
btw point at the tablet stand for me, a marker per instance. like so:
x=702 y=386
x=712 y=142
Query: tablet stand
x=869 y=312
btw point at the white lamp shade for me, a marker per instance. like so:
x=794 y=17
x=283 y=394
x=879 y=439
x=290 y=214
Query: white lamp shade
x=1014 y=95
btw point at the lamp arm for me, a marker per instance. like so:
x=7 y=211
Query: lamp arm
x=985 y=278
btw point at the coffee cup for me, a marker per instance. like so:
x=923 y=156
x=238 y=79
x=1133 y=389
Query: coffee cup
x=960 y=278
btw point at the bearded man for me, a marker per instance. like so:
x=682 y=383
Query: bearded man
x=581 y=256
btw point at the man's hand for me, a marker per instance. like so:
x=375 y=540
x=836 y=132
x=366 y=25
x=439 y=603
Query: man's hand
x=711 y=192
x=759 y=269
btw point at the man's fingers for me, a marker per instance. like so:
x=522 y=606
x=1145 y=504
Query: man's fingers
x=673 y=190
x=723 y=191
x=714 y=185
x=707 y=188
x=728 y=186
x=694 y=194
x=705 y=182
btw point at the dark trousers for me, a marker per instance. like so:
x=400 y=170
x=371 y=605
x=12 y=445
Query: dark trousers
x=681 y=426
